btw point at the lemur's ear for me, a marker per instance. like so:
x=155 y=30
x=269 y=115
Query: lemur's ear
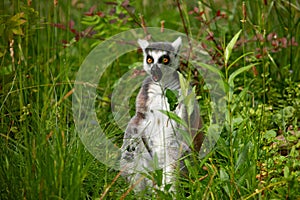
x=143 y=44
x=177 y=44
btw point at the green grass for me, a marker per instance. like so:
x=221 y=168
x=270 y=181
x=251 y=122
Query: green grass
x=41 y=155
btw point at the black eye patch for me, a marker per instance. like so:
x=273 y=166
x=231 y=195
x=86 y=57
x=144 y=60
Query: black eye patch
x=149 y=59
x=165 y=59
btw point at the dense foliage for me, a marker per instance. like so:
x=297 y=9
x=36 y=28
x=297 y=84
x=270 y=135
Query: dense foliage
x=43 y=44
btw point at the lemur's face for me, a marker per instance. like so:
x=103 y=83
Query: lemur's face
x=160 y=58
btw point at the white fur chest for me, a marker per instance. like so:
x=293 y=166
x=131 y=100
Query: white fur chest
x=160 y=131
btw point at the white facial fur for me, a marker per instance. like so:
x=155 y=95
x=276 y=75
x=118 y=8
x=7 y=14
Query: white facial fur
x=156 y=54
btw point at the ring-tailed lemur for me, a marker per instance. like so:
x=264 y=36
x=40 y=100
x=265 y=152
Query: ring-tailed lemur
x=152 y=139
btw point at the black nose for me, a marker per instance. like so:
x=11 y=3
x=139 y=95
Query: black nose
x=156 y=73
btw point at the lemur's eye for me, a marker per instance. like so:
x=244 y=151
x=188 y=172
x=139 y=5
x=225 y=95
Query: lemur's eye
x=164 y=59
x=149 y=59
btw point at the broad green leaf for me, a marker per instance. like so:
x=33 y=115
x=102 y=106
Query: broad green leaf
x=286 y=172
x=269 y=134
x=172 y=98
x=237 y=72
x=230 y=46
x=158 y=176
x=234 y=74
x=184 y=85
x=189 y=103
x=174 y=117
x=187 y=96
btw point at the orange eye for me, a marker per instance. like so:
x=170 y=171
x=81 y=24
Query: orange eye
x=149 y=60
x=165 y=60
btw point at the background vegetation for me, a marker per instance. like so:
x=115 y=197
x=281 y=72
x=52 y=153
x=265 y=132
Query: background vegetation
x=43 y=44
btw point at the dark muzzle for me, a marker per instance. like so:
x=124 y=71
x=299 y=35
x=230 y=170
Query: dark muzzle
x=156 y=73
